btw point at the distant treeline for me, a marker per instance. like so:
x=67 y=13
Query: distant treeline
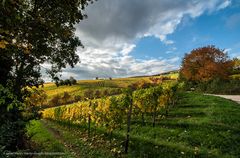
x=67 y=82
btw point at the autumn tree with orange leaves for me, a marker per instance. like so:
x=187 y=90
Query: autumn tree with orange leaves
x=205 y=64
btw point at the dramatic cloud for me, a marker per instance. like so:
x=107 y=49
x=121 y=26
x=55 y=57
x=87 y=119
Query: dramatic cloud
x=113 y=28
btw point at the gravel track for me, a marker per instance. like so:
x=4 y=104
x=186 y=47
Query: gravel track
x=235 y=98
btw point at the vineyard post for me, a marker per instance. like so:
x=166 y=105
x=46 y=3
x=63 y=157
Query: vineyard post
x=155 y=94
x=154 y=115
x=89 y=119
x=129 y=97
x=69 y=124
x=143 y=119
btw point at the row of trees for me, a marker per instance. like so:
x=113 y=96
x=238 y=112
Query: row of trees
x=67 y=82
x=115 y=111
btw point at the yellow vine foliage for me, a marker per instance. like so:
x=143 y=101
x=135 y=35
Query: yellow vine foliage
x=110 y=112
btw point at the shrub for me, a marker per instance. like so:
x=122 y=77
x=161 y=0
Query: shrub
x=105 y=92
x=88 y=94
x=55 y=101
x=12 y=122
x=216 y=86
x=66 y=97
x=97 y=94
x=77 y=98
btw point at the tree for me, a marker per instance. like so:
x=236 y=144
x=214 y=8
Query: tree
x=33 y=32
x=204 y=64
x=73 y=80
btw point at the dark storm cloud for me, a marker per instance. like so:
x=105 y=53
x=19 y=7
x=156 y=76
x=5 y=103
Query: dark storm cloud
x=126 y=19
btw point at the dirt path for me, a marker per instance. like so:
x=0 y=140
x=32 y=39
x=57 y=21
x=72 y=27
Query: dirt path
x=235 y=98
x=56 y=133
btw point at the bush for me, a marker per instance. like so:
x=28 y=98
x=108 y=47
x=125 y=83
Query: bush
x=77 y=98
x=105 y=92
x=55 y=101
x=12 y=121
x=97 y=94
x=115 y=91
x=66 y=97
x=88 y=94
x=216 y=86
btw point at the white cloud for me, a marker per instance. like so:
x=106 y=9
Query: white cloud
x=227 y=50
x=114 y=26
x=224 y=4
x=127 y=48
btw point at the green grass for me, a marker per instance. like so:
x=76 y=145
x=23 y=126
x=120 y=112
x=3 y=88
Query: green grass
x=198 y=126
x=77 y=137
x=43 y=140
x=201 y=126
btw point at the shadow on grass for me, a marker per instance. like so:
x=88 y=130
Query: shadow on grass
x=213 y=126
x=148 y=147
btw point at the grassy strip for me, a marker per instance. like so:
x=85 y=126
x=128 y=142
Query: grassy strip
x=44 y=141
x=95 y=146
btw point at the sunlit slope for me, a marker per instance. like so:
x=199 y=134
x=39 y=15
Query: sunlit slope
x=117 y=83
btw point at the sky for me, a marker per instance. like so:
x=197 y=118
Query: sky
x=125 y=38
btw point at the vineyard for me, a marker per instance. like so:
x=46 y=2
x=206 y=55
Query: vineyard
x=133 y=117
x=196 y=126
x=116 y=112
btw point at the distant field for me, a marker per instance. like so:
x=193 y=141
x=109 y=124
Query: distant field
x=51 y=89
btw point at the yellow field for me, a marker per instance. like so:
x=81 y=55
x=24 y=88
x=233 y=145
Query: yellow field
x=52 y=90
